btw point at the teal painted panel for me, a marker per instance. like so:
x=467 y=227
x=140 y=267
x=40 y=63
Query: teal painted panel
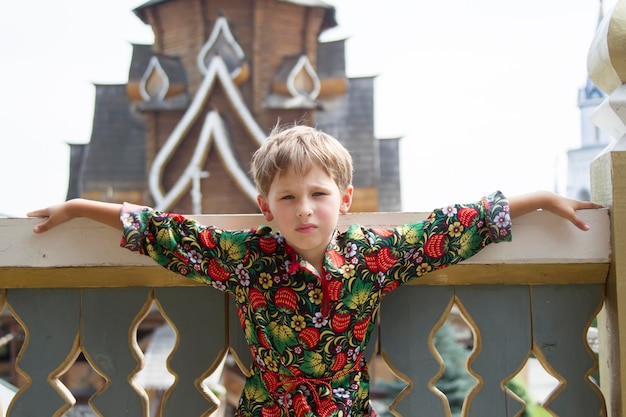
x=51 y=318
x=408 y=316
x=502 y=316
x=197 y=314
x=107 y=318
x=562 y=314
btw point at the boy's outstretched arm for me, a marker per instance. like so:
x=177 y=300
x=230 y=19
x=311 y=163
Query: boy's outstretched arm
x=546 y=200
x=105 y=213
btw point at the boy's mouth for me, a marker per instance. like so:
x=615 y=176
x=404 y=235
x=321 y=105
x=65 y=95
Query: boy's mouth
x=306 y=228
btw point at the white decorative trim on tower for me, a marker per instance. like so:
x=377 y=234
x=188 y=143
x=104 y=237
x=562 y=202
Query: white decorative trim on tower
x=154 y=69
x=303 y=65
x=221 y=28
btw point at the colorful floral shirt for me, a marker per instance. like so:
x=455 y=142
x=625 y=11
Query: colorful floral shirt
x=307 y=332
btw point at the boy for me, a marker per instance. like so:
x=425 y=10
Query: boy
x=307 y=295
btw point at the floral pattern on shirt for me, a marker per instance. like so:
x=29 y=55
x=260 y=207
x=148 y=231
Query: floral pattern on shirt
x=306 y=331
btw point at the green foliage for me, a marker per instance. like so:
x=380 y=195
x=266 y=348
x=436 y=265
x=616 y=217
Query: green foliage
x=455 y=382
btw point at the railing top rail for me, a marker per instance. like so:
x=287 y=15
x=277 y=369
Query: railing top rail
x=541 y=240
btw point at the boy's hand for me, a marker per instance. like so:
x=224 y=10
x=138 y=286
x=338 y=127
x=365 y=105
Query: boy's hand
x=55 y=215
x=566 y=208
x=557 y=204
x=105 y=213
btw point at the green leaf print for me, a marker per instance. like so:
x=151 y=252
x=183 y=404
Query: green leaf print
x=358 y=296
x=468 y=244
x=234 y=246
x=313 y=364
x=282 y=335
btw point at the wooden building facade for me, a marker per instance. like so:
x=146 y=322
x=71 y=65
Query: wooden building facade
x=199 y=101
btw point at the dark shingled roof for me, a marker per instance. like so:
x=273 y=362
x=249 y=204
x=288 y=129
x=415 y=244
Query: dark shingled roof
x=389 y=188
x=329 y=20
x=78 y=157
x=331 y=59
x=117 y=151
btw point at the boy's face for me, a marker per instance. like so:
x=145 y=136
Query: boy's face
x=306 y=209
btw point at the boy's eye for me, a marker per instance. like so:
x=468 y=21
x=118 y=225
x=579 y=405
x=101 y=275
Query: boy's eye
x=287 y=197
x=319 y=193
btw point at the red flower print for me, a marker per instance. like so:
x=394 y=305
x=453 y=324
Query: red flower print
x=206 y=238
x=257 y=299
x=392 y=286
x=336 y=258
x=181 y=255
x=434 y=246
x=385 y=259
x=327 y=406
x=334 y=288
x=176 y=218
x=383 y=232
x=242 y=316
x=340 y=322
x=263 y=339
x=370 y=261
x=300 y=405
x=286 y=297
x=340 y=361
x=268 y=245
x=467 y=215
x=310 y=336
x=270 y=411
x=217 y=271
x=360 y=328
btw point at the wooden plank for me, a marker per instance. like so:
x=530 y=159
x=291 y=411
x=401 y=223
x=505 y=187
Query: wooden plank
x=608 y=173
x=196 y=314
x=561 y=317
x=501 y=319
x=50 y=319
x=109 y=320
x=539 y=237
x=407 y=316
x=152 y=275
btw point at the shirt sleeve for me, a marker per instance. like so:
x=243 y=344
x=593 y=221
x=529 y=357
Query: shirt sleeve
x=448 y=236
x=203 y=253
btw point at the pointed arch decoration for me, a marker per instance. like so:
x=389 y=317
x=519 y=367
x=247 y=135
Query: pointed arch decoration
x=222 y=43
x=154 y=70
x=303 y=68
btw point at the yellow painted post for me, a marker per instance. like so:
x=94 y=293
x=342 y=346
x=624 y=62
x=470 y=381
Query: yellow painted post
x=607 y=69
x=608 y=184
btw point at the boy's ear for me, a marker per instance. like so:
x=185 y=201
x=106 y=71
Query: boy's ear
x=346 y=200
x=265 y=208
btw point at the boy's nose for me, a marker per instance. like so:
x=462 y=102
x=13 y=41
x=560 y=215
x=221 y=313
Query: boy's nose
x=304 y=210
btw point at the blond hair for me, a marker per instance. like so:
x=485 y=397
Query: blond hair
x=300 y=148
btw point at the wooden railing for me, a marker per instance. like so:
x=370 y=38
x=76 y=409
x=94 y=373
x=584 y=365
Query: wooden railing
x=74 y=290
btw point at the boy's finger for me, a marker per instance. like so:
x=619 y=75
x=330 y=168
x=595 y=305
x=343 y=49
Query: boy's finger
x=38 y=213
x=42 y=227
x=580 y=223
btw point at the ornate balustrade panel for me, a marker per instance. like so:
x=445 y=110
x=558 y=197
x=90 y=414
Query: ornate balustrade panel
x=50 y=319
x=501 y=319
x=197 y=315
x=409 y=319
x=561 y=317
x=109 y=320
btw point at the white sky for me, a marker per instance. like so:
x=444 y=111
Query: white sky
x=483 y=91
